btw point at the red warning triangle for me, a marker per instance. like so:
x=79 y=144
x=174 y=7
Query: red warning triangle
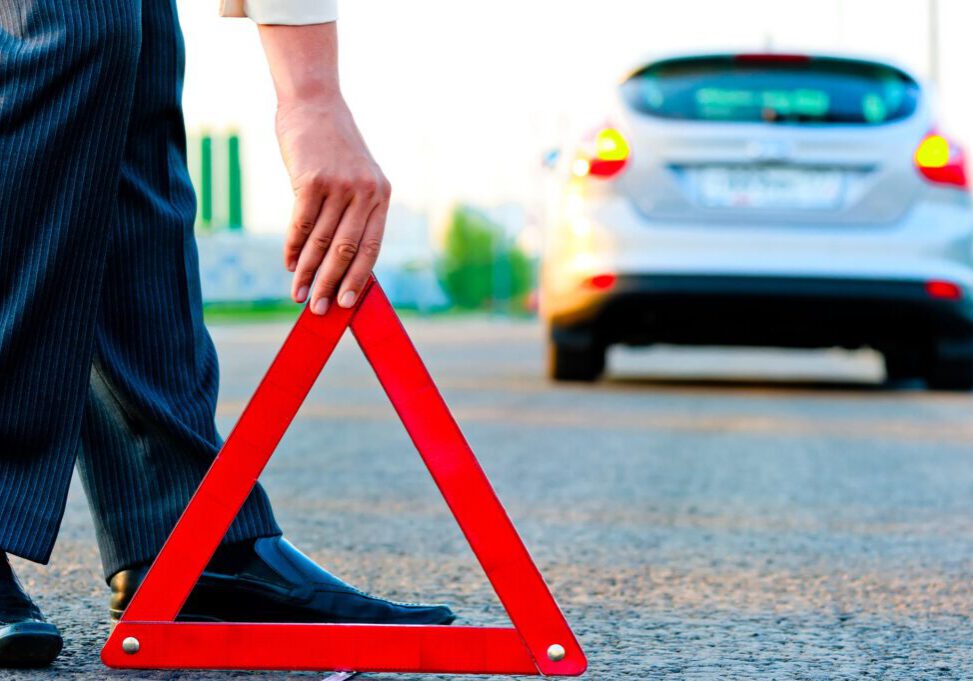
x=540 y=641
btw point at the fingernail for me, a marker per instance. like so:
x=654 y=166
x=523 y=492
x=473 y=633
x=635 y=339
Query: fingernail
x=347 y=299
x=291 y=265
x=320 y=306
x=302 y=294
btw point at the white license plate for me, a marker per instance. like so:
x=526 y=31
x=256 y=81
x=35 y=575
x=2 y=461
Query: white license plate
x=740 y=187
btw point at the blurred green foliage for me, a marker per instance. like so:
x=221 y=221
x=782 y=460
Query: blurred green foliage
x=480 y=268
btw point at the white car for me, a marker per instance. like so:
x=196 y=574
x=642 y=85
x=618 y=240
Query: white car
x=769 y=200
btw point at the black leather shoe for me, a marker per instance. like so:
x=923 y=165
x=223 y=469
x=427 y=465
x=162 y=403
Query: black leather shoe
x=268 y=580
x=26 y=639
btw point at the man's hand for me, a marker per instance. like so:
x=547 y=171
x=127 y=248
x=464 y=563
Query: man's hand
x=342 y=199
x=341 y=195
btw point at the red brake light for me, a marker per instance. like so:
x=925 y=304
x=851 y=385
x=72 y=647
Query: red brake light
x=602 y=282
x=941 y=161
x=944 y=290
x=604 y=155
x=601 y=168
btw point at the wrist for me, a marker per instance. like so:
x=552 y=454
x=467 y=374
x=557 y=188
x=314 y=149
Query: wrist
x=321 y=106
x=303 y=62
x=316 y=93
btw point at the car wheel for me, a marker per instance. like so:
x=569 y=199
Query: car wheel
x=951 y=366
x=574 y=362
x=905 y=364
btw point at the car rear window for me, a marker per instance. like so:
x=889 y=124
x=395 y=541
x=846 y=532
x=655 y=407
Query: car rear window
x=773 y=89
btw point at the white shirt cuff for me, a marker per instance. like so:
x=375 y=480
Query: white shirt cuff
x=290 y=12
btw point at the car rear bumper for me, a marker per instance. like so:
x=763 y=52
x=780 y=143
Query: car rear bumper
x=766 y=311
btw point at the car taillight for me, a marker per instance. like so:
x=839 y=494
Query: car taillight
x=944 y=290
x=601 y=282
x=604 y=155
x=941 y=161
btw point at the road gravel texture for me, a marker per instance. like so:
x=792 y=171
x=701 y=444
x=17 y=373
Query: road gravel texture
x=701 y=514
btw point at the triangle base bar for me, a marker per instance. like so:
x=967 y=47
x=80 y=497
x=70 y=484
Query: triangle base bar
x=540 y=641
x=323 y=647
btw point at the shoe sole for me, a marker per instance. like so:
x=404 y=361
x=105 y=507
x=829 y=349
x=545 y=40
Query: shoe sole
x=29 y=644
x=116 y=615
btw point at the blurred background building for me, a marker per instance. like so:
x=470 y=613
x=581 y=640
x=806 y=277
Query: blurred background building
x=460 y=101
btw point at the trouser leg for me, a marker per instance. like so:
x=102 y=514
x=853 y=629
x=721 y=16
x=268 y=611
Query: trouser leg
x=149 y=434
x=67 y=73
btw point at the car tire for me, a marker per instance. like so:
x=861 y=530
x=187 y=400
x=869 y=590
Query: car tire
x=954 y=375
x=951 y=366
x=583 y=363
x=905 y=364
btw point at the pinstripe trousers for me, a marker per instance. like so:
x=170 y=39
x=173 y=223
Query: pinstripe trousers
x=104 y=359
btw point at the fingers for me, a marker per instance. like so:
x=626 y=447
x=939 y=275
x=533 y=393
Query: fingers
x=317 y=244
x=307 y=206
x=334 y=238
x=361 y=267
x=341 y=253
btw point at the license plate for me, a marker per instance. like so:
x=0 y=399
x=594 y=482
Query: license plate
x=739 y=187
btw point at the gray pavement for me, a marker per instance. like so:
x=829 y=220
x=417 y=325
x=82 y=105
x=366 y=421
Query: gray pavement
x=699 y=515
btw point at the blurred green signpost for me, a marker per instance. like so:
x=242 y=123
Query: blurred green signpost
x=234 y=182
x=205 y=182
x=217 y=173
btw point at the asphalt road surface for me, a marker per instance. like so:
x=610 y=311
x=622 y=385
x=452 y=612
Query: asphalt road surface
x=699 y=514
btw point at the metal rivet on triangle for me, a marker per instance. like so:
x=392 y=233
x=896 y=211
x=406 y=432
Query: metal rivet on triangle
x=130 y=645
x=556 y=652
